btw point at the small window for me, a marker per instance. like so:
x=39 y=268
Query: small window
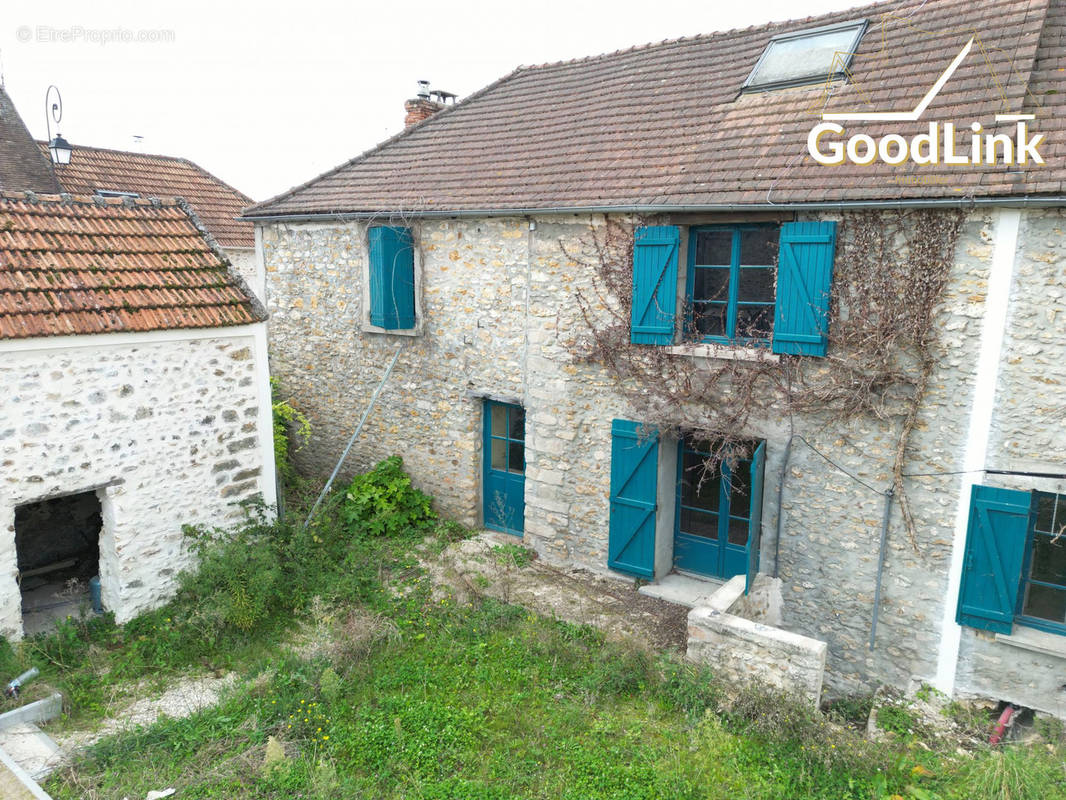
x=806 y=57
x=732 y=282
x=1044 y=590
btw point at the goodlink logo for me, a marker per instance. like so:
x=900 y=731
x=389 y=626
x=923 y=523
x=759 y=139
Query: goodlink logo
x=937 y=146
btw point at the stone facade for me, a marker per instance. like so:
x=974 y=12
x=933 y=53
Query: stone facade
x=500 y=319
x=168 y=429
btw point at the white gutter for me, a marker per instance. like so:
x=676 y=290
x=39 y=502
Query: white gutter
x=979 y=428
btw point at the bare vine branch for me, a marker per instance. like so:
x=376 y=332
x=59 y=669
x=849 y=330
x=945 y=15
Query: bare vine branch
x=891 y=270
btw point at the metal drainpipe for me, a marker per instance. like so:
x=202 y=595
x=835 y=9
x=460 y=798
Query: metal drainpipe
x=881 y=565
x=780 y=496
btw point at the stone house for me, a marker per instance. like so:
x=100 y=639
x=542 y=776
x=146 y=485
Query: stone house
x=136 y=399
x=468 y=243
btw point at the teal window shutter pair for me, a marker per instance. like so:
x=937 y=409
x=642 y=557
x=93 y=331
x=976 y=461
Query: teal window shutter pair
x=392 y=278
x=804 y=278
x=992 y=560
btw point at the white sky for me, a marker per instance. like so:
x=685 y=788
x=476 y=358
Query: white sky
x=268 y=97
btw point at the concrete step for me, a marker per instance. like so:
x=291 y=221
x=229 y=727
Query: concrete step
x=683 y=589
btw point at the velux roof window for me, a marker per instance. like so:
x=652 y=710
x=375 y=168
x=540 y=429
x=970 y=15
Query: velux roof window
x=803 y=57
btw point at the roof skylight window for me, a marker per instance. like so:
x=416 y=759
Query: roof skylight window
x=805 y=57
x=115 y=193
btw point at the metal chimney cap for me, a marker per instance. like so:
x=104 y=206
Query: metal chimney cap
x=423 y=89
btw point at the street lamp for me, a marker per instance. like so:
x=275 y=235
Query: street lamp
x=59 y=147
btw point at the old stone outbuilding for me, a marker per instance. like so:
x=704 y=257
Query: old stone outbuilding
x=136 y=399
x=677 y=207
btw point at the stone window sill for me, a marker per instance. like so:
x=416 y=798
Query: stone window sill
x=366 y=327
x=723 y=352
x=1048 y=644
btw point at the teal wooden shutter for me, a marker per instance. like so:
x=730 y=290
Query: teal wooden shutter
x=654 y=284
x=634 y=483
x=758 y=462
x=992 y=560
x=392 y=278
x=804 y=278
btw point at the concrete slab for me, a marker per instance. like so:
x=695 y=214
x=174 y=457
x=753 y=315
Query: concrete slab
x=682 y=588
x=16 y=783
x=31 y=748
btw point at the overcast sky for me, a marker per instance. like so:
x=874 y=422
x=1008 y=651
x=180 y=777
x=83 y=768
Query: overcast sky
x=267 y=99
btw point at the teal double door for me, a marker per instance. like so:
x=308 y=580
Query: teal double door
x=504 y=478
x=719 y=512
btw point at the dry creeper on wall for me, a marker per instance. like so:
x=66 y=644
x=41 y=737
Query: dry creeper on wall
x=890 y=272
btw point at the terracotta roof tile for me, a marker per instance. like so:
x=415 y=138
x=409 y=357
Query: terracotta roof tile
x=85 y=265
x=665 y=124
x=216 y=203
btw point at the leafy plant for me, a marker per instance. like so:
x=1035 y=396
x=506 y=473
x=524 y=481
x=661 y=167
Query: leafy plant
x=382 y=502
x=288 y=421
x=897 y=718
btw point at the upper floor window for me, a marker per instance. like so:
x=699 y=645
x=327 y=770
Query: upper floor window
x=746 y=284
x=391 y=279
x=805 y=57
x=732 y=278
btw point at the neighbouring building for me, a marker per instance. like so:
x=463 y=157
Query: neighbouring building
x=136 y=399
x=124 y=173
x=468 y=242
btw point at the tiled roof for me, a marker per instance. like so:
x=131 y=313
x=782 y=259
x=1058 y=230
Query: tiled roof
x=23 y=167
x=83 y=265
x=666 y=125
x=216 y=203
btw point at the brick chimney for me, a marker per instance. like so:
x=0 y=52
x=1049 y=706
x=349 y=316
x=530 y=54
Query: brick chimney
x=425 y=104
x=419 y=109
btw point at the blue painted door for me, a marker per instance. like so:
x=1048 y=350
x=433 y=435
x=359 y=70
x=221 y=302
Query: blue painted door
x=716 y=510
x=505 y=467
x=634 y=483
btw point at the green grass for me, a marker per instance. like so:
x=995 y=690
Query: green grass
x=423 y=698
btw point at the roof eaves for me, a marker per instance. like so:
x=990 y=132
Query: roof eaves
x=1032 y=201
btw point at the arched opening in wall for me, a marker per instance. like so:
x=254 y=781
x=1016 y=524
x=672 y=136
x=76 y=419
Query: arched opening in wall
x=57 y=542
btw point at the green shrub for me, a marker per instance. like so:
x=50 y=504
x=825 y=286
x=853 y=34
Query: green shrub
x=239 y=580
x=287 y=421
x=383 y=502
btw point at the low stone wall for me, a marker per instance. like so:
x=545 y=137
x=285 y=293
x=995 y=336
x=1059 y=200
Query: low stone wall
x=742 y=650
